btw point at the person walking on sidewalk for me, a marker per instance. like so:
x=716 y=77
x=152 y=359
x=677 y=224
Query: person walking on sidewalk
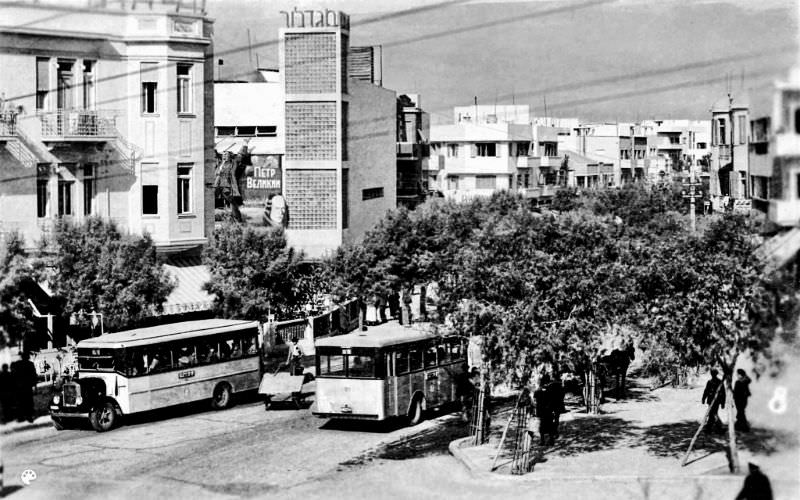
x=544 y=411
x=756 y=485
x=556 y=393
x=24 y=374
x=6 y=394
x=713 y=400
x=741 y=393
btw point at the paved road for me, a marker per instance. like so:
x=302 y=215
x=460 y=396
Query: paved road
x=243 y=451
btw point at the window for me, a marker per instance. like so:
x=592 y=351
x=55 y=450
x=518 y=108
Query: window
x=797 y=121
x=149 y=77
x=345 y=138
x=345 y=199
x=486 y=149
x=742 y=130
x=360 y=365
x=701 y=145
x=550 y=149
x=226 y=131
x=65 y=197
x=332 y=365
x=452 y=150
x=89 y=189
x=88 y=85
x=371 y=193
x=430 y=356
x=523 y=148
x=721 y=131
x=150 y=200
x=414 y=359
x=245 y=131
x=42 y=190
x=267 y=131
x=452 y=182
x=184 y=88
x=485 y=182
x=184 y=189
x=401 y=361
x=42 y=82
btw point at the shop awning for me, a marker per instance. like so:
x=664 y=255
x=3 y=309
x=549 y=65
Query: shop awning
x=190 y=275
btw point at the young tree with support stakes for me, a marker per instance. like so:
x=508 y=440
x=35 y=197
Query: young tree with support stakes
x=709 y=300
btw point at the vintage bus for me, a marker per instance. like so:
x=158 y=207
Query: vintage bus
x=375 y=375
x=149 y=368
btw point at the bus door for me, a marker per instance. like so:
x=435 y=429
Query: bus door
x=390 y=384
x=432 y=377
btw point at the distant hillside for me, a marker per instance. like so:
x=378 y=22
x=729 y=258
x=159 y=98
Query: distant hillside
x=598 y=62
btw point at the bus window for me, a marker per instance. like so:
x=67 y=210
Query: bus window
x=331 y=365
x=430 y=356
x=401 y=361
x=456 y=350
x=361 y=366
x=184 y=355
x=230 y=348
x=249 y=345
x=443 y=351
x=159 y=360
x=414 y=359
x=387 y=363
x=207 y=353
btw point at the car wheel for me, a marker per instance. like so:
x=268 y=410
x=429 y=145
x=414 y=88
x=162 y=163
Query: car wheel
x=222 y=397
x=103 y=417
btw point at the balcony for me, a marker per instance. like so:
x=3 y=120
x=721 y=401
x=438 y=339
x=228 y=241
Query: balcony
x=8 y=124
x=78 y=125
x=724 y=152
x=545 y=161
x=412 y=150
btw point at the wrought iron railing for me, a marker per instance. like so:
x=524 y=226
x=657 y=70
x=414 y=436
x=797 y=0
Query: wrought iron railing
x=78 y=123
x=8 y=123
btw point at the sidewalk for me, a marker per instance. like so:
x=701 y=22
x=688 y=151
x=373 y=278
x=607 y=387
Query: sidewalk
x=642 y=439
x=14 y=426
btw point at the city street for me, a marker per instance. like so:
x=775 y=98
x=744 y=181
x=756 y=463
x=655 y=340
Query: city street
x=243 y=451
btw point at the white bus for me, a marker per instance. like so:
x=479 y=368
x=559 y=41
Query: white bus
x=375 y=375
x=148 y=368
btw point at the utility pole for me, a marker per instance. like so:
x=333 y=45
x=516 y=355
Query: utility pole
x=692 y=196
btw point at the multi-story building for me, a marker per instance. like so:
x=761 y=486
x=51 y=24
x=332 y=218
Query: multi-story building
x=623 y=145
x=114 y=120
x=339 y=169
x=729 y=169
x=413 y=129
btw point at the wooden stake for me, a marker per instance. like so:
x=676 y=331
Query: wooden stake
x=505 y=431
x=699 y=429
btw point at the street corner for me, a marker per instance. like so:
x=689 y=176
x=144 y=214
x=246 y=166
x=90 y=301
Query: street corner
x=459 y=450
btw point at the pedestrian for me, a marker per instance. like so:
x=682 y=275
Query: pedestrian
x=714 y=401
x=741 y=392
x=464 y=391
x=756 y=485
x=556 y=393
x=6 y=394
x=23 y=372
x=295 y=356
x=544 y=411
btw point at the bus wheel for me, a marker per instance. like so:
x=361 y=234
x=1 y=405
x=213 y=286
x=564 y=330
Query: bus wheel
x=103 y=417
x=222 y=397
x=415 y=415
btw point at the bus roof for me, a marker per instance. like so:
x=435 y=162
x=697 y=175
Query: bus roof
x=377 y=338
x=165 y=333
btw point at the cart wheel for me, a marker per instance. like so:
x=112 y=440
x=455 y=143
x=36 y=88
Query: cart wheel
x=267 y=403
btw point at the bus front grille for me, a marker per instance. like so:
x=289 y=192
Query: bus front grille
x=71 y=395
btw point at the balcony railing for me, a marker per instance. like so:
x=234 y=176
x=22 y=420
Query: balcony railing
x=78 y=124
x=8 y=123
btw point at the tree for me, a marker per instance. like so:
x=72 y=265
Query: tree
x=93 y=267
x=709 y=300
x=254 y=273
x=16 y=276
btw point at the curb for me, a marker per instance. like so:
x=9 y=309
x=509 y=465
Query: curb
x=455 y=449
x=43 y=421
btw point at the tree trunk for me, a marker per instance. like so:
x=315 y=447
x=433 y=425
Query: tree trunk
x=734 y=455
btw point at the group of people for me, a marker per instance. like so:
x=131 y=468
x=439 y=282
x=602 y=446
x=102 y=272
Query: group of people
x=17 y=387
x=714 y=397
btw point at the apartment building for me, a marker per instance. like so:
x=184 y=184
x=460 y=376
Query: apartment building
x=113 y=119
x=729 y=169
x=623 y=145
x=340 y=140
x=413 y=150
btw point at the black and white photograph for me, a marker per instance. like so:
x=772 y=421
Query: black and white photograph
x=400 y=249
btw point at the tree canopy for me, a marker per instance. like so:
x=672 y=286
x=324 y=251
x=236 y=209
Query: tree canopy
x=16 y=276
x=93 y=266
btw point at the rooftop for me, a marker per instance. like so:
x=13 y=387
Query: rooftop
x=379 y=336
x=173 y=331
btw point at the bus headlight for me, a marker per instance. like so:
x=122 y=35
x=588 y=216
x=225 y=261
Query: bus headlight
x=56 y=399
x=78 y=400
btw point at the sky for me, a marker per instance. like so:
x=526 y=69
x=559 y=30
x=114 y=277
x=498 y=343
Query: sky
x=600 y=60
